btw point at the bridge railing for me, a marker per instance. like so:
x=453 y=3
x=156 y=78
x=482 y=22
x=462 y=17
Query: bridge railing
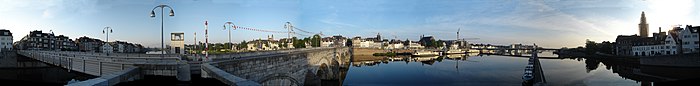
x=94 y=64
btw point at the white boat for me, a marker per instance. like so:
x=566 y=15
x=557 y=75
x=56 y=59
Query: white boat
x=425 y=58
x=473 y=51
x=455 y=51
x=453 y=56
x=425 y=53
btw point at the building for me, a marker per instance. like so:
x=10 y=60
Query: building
x=87 y=44
x=689 y=39
x=427 y=41
x=333 y=41
x=177 y=43
x=415 y=45
x=37 y=40
x=65 y=44
x=107 y=48
x=643 y=26
x=5 y=40
x=642 y=45
x=396 y=44
x=356 y=41
x=359 y=42
x=327 y=42
x=339 y=41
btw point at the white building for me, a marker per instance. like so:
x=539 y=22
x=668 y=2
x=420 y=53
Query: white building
x=326 y=42
x=395 y=46
x=356 y=41
x=689 y=39
x=177 y=43
x=415 y=45
x=107 y=48
x=5 y=40
x=668 y=44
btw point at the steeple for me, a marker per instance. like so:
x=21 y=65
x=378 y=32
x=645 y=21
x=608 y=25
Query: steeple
x=643 y=26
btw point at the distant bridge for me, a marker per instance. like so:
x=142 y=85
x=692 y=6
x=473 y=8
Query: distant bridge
x=283 y=67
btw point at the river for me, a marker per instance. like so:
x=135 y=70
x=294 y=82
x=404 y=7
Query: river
x=497 y=70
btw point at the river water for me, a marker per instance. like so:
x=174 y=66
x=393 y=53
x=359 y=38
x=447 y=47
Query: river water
x=496 y=70
x=23 y=71
x=451 y=70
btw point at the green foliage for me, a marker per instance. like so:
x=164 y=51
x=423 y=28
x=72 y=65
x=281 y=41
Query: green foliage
x=242 y=45
x=603 y=47
x=316 y=41
x=298 y=43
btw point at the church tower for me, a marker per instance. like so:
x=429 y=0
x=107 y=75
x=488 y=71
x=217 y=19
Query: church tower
x=643 y=26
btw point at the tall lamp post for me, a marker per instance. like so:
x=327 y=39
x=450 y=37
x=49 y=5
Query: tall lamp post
x=153 y=14
x=106 y=31
x=231 y=27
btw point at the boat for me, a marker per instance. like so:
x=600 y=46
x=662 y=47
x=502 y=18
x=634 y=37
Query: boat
x=472 y=51
x=454 y=56
x=455 y=51
x=428 y=58
x=425 y=53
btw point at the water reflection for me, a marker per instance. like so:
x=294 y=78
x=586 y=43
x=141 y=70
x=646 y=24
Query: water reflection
x=487 y=69
x=647 y=75
x=26 y=71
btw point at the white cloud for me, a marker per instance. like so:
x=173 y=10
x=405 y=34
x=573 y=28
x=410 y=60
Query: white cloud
x=531 y=21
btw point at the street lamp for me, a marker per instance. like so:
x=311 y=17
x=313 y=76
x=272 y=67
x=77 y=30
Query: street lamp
x=153 y=14
x=231 y=26
x=106 y=31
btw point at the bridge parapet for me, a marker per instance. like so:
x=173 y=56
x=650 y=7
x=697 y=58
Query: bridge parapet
x=102 y=64
x=284 y=67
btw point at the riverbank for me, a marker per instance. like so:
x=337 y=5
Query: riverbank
x=681 y=60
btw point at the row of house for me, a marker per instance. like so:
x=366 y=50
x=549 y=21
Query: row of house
x=38 y=40
x=371 y=42
x=334 y=41
x=678 y=40
x=423 y=42
x=270 y=44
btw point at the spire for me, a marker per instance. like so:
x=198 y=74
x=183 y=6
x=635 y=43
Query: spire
x=643 y=20
x=643 y=26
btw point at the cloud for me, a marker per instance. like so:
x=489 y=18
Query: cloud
x=528 y=21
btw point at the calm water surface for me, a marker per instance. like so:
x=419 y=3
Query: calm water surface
x=482 y=70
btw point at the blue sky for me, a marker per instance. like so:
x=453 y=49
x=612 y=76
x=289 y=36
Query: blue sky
x=550 y=23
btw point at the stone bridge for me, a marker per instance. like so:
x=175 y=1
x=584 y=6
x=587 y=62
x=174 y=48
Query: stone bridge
x=113 y=68
x=281 y=67
x=286 y=67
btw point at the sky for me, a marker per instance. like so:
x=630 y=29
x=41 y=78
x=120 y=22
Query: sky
x=548 y=23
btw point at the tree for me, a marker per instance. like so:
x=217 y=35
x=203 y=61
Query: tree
x=243 y=45
x=591 y=46
x=298 y=43
x=316 y=41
